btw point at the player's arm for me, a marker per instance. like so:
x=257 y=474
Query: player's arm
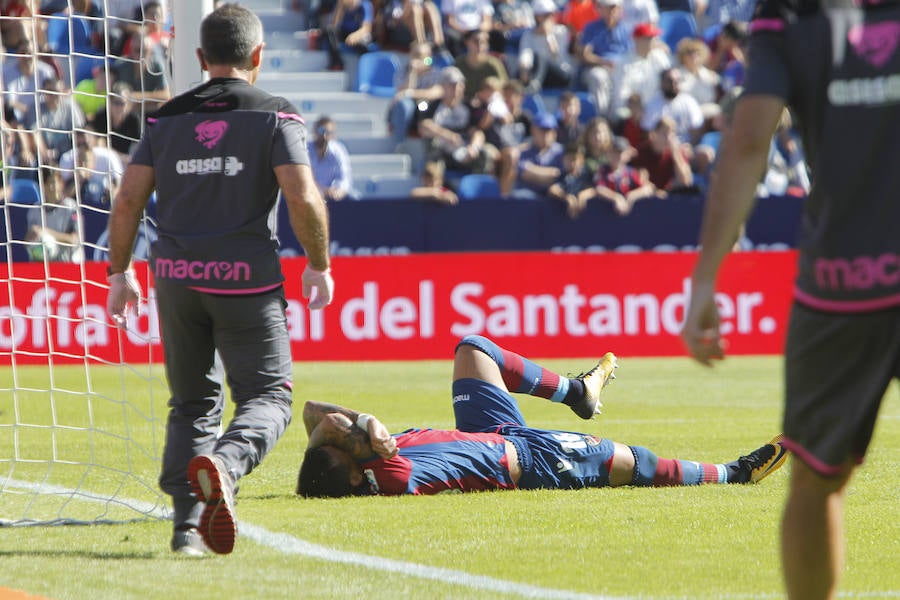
x=359 y=434
x=741 y=164
x=307 y=212
x=125 y=216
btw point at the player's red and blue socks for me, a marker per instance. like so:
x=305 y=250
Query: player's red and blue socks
x=650 y=470
x=525 y=376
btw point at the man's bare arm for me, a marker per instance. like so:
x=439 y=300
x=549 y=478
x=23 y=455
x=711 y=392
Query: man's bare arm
x=740 y=168
x=314 y=412
x=745 y=151
x=127 y=210
x=336 y=430
x=307 y=212
x=334 y=425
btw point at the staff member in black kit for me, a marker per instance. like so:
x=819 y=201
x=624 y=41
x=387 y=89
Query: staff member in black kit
x=217 y=156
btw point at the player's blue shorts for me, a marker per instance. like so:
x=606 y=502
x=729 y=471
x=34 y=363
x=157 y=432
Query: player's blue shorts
x=550 y=459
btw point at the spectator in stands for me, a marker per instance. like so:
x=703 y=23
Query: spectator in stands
x=330 y=162
x=509 y=135
x=511 y=19
x=541 y=160
x=461 y=17
x=453 y=138
x=432 y=188
x=618 y=182
x=119 y=120
x=477 y=64
x=665 y=158
x=640 y=69
x=22 y=150
x=735 y=60
x=88 y=11
x=402 y=22
x=697 y=79
x=726 y=46
x=576 y=14
x=720 y=12
x=629 y=125
x=125 y=18
x=52 y=226
x=572 y=182
x=149 y=60
x=59 y=116
x=670 y=101
x=602 y=45
x=568 y=113
x=316 y=11
x=15 y=25
x=90 y=94
x=597 y=142
x=488 y=106
x=419 y=82
x=350 y=24
x=95 y=169
x=544 y=59
x=635 y=12
x=22 y=79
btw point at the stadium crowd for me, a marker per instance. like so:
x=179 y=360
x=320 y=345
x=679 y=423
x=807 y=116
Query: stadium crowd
x=607 y=100
x=575 y=100
x=71 y=117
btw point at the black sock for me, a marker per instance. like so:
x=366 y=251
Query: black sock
x=575 y=393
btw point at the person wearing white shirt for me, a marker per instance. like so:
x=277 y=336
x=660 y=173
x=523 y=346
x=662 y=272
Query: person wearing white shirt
x=463 y=16
x=670 y=101
x=639 y=72
x=544 y=59
x=97 y=170
x=697 y=79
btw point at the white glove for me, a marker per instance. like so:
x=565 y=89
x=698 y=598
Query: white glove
x=322 y=283
x=124 y=294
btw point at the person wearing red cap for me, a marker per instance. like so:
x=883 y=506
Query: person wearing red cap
x=639 y=71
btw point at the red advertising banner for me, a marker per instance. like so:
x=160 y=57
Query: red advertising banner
x=416 y=307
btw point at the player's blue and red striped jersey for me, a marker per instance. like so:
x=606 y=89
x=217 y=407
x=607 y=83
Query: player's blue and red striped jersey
x=431 y=461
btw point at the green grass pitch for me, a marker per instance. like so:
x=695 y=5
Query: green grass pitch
x=698 y=542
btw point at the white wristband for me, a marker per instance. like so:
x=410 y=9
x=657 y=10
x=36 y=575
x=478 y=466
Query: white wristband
x=362 y=421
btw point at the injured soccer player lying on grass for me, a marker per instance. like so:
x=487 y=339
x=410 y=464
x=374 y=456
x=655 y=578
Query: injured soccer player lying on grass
x=352 y=453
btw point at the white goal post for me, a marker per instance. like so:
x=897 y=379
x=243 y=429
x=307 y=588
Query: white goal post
x=82 y=404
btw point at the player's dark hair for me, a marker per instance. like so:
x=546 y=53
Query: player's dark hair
x=229 y=35
x=324 y=475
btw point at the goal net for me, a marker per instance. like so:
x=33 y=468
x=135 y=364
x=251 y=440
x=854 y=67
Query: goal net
x=82 y=404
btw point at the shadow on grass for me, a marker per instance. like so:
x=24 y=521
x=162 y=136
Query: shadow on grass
x=80 y=554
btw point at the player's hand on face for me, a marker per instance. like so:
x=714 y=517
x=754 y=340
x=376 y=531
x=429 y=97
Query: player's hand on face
x=319 y=282
x=124 y=297
x=701 y=326
x=383 y=443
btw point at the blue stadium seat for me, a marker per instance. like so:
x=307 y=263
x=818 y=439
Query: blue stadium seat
x=25 y=191
x=676 y=25
x=533 y=105
x=376 y=72
x=588 y=108
x=478 y=187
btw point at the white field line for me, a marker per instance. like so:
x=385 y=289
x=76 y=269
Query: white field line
x=289 y=544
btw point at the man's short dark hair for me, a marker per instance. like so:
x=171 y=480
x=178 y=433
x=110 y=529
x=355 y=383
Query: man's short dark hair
x=324 y=475
x=229 y=35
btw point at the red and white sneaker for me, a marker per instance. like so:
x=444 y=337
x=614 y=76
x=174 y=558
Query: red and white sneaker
x=212 y=484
